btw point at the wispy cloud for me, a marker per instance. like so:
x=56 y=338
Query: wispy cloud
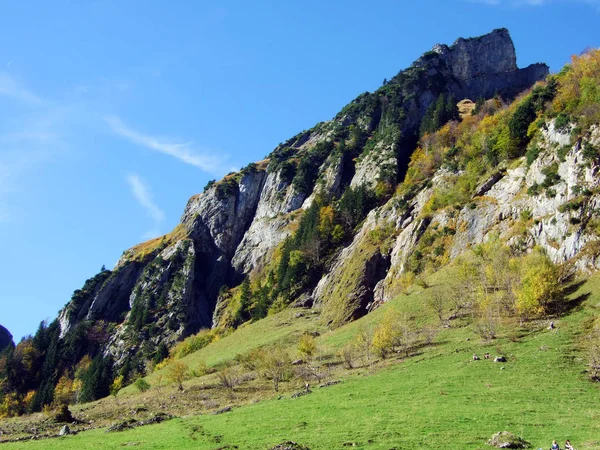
x=142 y=193
x=184 y=152
x=29 y=138
x=510 y=2
x=593 y=3
x=11 y=88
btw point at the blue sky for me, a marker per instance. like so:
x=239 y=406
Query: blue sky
x=113 y=113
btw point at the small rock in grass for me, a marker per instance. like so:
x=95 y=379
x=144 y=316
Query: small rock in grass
x=64 y=431
x=330 y=383
x=301 y=393
x=223 y=410
x=119 y=427
x=290 y=445
x=504 y=439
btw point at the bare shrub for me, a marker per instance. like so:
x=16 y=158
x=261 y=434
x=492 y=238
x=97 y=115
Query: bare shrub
x=250 y=360
x=229 y=378
x=275 y=364
x=363 y=344
x=438 y=302
x=348 y=355
x=429 y=334
x=178 y=372
x=487 y=327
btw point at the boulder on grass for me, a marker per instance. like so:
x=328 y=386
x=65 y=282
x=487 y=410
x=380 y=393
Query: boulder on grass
x=504 y=439
x=64 y=431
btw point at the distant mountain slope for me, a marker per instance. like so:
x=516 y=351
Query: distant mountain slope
x=6 y=338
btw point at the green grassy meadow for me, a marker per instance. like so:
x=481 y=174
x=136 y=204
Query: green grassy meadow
x=438 y=398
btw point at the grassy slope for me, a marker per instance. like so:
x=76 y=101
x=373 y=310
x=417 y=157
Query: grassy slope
x=438 y=399
x=283 y=327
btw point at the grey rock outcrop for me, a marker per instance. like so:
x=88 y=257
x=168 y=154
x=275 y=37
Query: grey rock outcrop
x=552 y=221
x=487 y=64
x=380 y=164
x=178 y=279
x=226 y=216
x=277 y=199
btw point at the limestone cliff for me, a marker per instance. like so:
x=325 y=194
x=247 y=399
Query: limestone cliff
x=163 y=290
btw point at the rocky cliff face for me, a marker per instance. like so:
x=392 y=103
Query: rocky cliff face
x=487 y=64
x=163 y=290
x=557 y=219
x=6 y=338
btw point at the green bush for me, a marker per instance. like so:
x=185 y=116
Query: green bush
x=142 y=385
x=552 y=176
x=208 y=185
x=534 y=189
x=562 y=122
x=532 y=153
x=193 y=343
x=227 y=187
x=562 y=152
x=589 y=152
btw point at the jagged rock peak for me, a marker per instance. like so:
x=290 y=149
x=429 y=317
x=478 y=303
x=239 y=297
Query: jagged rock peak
x=492 y=53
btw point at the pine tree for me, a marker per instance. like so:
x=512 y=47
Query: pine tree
x=451 y=109
x=427 y=121
x=439 y=115
x=97 y=379
x=478 y=105
x=245 y=300
x=161 y=353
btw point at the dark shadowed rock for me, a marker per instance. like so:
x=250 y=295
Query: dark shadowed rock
x=158 y=418
x=6 y=338
x=62 y=414
x=330 y=383
x=488 y=184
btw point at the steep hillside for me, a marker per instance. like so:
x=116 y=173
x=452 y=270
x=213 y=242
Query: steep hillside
x=347 y=215
x=437 y=397
x=165 y=289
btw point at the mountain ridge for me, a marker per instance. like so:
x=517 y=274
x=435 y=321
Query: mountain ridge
x=229 y=230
